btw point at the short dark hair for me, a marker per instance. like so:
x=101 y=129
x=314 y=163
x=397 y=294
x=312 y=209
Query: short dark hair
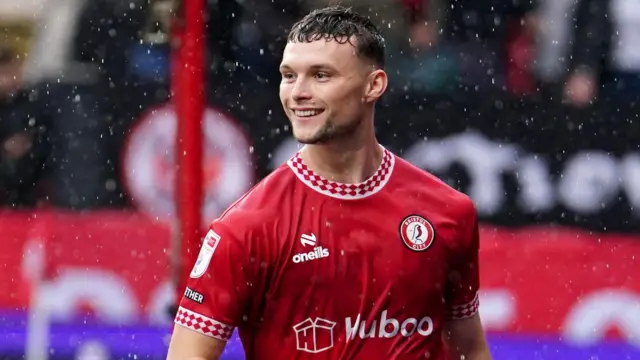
x=341 y=24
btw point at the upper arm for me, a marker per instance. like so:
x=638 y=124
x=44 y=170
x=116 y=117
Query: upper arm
x=463 y=281
x=220 y=292
x=462 y=329
x=188 y=344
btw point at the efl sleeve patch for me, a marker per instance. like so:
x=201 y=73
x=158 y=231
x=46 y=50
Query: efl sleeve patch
x=209 y=246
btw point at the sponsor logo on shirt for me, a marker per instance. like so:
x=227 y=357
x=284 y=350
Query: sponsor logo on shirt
x=193 y=295
x=314 y=335
x=318 y=252
x=317 y=335
x=387 y=327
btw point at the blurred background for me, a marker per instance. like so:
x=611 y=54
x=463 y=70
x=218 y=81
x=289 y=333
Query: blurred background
x=531 y=107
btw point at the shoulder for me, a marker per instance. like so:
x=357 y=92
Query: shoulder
x=260 y=207
x=430 y=189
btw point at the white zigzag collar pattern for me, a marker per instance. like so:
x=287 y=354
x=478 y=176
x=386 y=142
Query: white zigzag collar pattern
x=339 y=190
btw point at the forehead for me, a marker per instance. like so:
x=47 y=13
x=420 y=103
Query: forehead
x=329 y=52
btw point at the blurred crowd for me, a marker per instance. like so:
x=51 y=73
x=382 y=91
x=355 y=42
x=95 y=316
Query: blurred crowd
x=75 y=74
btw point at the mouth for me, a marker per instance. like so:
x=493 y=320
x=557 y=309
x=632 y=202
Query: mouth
x=307 y=113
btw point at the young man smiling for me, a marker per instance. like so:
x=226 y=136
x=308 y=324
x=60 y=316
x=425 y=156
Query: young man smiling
x=346 y=251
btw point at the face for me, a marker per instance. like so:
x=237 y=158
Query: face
x=326 y=90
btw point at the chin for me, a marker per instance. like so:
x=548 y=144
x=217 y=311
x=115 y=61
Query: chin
x=305 y=135
x=308 y=139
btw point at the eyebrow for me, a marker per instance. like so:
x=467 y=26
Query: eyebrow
x=312 y=67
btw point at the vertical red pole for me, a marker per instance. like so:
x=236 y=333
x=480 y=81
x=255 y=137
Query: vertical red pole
x=189 y=102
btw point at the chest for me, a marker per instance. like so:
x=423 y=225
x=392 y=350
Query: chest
x=364 y=251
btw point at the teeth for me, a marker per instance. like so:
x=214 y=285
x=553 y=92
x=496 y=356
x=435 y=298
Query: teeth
x=306 y=113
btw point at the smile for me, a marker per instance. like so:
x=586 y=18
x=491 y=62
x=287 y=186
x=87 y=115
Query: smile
x=308 y=113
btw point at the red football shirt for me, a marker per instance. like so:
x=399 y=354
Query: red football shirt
x=307 y=268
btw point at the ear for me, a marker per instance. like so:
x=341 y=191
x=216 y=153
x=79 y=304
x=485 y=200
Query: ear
x=376 y=85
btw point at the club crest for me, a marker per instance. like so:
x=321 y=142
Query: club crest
x=417 y=233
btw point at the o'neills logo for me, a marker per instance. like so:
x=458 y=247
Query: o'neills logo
x=317 y=253
x=149 y=163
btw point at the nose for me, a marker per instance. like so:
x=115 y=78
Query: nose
x=300 y=90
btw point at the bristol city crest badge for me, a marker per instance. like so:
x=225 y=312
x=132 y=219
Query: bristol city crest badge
x=417 y=233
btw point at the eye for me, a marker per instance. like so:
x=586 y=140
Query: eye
x=322 y=75
x=288 y=76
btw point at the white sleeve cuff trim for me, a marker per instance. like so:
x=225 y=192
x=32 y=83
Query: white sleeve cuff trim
x=464 y=311
x=204 y=325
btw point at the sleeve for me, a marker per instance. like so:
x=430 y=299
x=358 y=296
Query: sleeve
x=220 y=287
x=461 y=295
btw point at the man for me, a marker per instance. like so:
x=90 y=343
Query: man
x=346 y=251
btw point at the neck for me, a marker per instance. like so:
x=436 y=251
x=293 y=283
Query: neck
x=349 y=161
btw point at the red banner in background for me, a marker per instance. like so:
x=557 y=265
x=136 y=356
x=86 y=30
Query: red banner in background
x=112 y=262
x=582 y=285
